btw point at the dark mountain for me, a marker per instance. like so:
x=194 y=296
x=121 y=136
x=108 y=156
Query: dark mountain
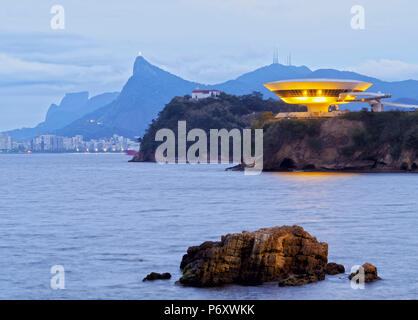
x=398 y=89
x=150 y=88
x=67 y=111
x=140 y=100
x=336 y=74
x=253 y=81
x=72 y=107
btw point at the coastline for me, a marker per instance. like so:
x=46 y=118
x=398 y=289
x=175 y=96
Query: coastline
x=368 y=142
x=240 y=167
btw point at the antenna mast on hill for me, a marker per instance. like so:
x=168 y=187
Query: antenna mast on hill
x=289 y=59
x=276 y=56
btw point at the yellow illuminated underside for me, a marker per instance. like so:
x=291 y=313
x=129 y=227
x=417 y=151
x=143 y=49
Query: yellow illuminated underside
x=316 y=104
x=316 y=94
x=315 y=100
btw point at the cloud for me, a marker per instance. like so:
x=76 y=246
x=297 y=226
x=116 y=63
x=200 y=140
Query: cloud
x=213 y=68
x=49 y=58
x=15 y=71
x=389 y=70
x=37 y=69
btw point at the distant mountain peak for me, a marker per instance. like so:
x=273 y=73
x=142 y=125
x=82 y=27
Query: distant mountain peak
x=142 y=65
x=75 y=97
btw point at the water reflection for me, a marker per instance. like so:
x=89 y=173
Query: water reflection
x=313 y=176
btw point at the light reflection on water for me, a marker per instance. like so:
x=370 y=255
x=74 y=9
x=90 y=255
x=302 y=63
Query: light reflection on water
x=110 y=222
x=313 y=176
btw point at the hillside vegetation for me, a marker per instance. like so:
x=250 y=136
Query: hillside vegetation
x=399 y=130
x=226 y=111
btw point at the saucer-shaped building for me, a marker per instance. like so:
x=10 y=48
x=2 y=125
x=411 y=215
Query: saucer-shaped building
x=317 y=94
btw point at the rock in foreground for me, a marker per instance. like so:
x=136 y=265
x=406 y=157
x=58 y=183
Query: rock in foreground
x=334 y=268
x=157 y=276
x=251 y=258
x=370 y=273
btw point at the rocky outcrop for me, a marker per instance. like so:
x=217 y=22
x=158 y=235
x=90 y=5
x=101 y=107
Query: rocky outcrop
x=334 y=268
x=370 y=273
x=140 y=157
x=157 y=276
x=356 y=141
x=251 y=258
x=343 y=144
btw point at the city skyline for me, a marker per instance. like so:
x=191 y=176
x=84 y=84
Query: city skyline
x=57 y=144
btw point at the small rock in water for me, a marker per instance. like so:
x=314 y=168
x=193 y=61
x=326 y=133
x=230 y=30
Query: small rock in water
x=334 y=268
x=157 y=276
x=370 y=273
x=238 y=167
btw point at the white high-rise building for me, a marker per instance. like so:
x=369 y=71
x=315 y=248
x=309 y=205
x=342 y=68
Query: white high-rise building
x=6 y=142
x=48 y=143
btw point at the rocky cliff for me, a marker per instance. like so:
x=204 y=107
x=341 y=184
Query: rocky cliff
x=285 y=254
x=361 y=141
x=357 y=141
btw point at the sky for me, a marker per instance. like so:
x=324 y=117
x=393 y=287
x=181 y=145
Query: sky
x=204 y=41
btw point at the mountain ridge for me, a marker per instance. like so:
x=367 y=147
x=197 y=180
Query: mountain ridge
x=150 y=88
x=72 y=106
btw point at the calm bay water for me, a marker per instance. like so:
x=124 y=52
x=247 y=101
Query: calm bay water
x=110 y=223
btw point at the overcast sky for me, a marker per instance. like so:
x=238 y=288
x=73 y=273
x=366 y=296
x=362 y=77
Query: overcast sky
x=205 y=41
